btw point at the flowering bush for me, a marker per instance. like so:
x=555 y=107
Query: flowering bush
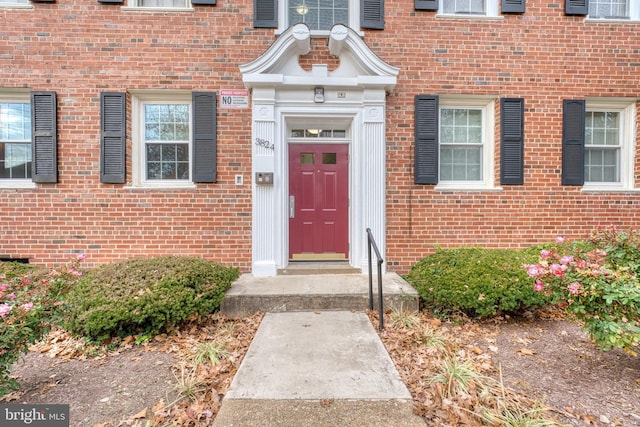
x=597 y=282
x=30 y=303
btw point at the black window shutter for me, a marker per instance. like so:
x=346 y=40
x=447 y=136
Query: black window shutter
x=198 y=2
x=44 y=137
x=204 y=137
x=372 y=14
x=512 y=141
x=513 y=6
x=576 y=7
x=426 y=5
x=112 y=137
x=110 y=1
x=426 y=139
x=265 y=13
x=573 y=118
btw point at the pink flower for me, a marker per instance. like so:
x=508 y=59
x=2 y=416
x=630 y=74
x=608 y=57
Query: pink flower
x=574 y=288
x=27 y=307
x=560 y=239
x=4 y=309
x=82 y=257
x=57 y=303
x=545 y=253
x=3 y=287
x=538 y=286
x=74 y=272
x=557 y=269
x=567 y=259
x=534 y=270
x=11 y=296
x=25 y=281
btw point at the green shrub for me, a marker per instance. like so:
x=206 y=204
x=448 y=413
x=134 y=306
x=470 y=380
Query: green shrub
x=145 y=296
x=476 y=281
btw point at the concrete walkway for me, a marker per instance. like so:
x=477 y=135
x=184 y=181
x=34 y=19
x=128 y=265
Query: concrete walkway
x=317 y=368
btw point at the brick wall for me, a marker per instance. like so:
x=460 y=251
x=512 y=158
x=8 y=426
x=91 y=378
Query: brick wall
x=80 y=48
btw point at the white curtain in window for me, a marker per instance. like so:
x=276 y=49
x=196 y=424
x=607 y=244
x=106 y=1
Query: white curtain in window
x=608 y=9
x=163 y=3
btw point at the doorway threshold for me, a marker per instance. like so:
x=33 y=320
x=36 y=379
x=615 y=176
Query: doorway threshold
x=313 y=267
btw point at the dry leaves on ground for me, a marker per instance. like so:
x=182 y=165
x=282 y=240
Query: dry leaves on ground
x=458 y=373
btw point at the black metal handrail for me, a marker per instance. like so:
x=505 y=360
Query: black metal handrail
x=372 y=242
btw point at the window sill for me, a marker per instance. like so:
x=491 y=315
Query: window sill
x=465 y=187
x=469 y=16
x=612 y=20
x=19 y=185
x=317 y=34
x=157 y=9
x=15 y=6
x=608 y=189
x=162 y=187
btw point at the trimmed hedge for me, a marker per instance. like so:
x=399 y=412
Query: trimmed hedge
x=145 y=296
x=479 y=282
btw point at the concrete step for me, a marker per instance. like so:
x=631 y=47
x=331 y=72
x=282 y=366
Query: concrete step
x=317 y=369
x=283 y=293
x=304 y=268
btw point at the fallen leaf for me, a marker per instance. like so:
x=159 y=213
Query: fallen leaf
x=527 y=352
x=141 y=414
x=493 y=348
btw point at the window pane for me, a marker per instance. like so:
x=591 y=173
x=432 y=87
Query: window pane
x=182 y=152
x=329 y=158
x=464 y=6
x=601 y=165
x=166 y=122
x=307 y=158
x=15 y=1
x=169 y=153
x=15 y=122
x=168 y=170
x=162 y=3
x=15 y=140
x=602 y=128
x=318 y=14
x=460 y=163
x=609 y=8
x=460 y=144
x=167 y=161
x=15 y=161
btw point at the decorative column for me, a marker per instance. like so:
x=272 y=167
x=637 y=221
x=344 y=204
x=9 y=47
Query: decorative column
x=373 y=169
x=264 y=194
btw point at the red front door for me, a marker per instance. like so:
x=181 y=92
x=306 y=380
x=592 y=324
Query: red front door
x=318 y=201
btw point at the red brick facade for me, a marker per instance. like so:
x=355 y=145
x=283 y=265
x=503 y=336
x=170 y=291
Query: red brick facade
x=80 y=48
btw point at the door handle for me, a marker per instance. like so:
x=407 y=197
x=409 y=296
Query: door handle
x=292 y=206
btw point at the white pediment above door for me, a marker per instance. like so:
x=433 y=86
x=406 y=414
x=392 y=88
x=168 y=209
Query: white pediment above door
x=279 y=64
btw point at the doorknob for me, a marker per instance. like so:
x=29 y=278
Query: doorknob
x=292 y=206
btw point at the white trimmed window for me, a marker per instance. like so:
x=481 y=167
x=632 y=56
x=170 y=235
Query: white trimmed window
x=614 y=9
x=319 y=15
x=466 y=142
x=162 y=142
x=468 y=7
x=609 y=144
x=161 y=4
x=15 y=138
x=12 y=2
